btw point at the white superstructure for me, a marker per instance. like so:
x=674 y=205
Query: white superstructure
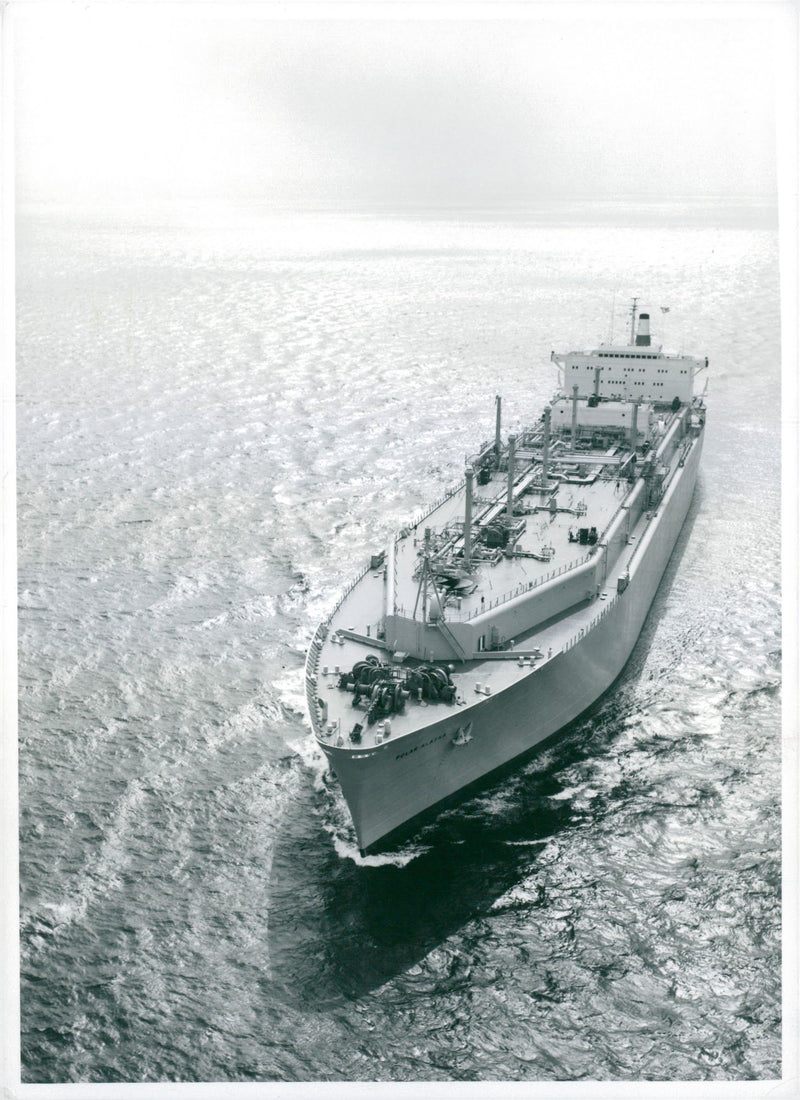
x=634 y=372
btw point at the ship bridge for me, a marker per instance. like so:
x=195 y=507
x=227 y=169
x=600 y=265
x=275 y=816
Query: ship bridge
x=630 y=372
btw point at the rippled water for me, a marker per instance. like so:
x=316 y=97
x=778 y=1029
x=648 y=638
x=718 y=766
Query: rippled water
x=216 y=426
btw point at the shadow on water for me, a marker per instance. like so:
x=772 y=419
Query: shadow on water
x=339 y=927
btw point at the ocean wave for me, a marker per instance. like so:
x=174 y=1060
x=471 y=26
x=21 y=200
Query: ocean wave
x=100 y=874
x=254 y=610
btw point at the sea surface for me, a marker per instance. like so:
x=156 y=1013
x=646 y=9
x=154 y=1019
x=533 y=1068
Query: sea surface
x=217 y=423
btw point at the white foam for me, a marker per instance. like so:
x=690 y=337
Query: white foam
x=313 y=758
x=101 y=873
x=254 y=610
x=517 y=897
x=562 y=796
x=65 y=912
x=347 y=849
x=290 y=691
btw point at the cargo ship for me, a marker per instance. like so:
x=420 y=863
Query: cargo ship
x=515 y=600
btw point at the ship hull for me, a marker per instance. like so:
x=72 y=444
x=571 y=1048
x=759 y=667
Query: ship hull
x=390 y=785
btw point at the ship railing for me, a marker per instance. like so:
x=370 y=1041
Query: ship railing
x=577 y=637
x=395 y=581
x=315 y=645
x=312 y=663
x=447 y=495
x=512 y=594
x=346 y=592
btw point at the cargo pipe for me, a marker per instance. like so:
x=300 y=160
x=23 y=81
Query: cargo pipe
x=512 y=448
x=574 y=415
x=470 y=473
x=634 y=426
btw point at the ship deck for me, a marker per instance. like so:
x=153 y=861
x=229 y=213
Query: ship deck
x=588 y=494
x=347 y=641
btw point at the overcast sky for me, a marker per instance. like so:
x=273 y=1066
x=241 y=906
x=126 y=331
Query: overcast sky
x=119 y=103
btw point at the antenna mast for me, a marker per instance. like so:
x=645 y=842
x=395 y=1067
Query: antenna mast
x=633 y=321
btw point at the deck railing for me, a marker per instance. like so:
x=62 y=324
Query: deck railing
x=573 y=641
x=315 y=646
x=312 y=663
x=520 y=590
x=447 y=495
